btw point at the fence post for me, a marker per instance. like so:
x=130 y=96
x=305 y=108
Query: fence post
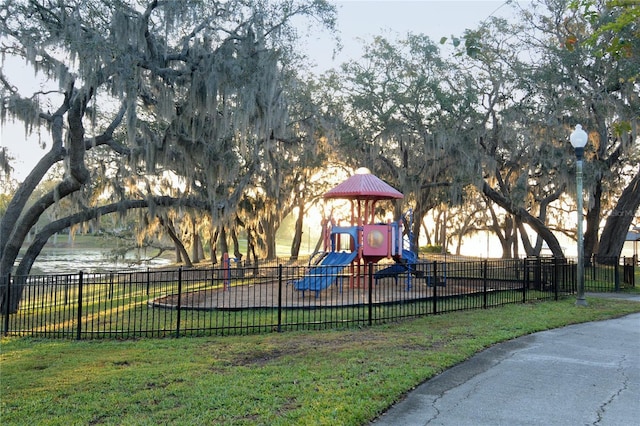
x=435 y=286
x=110 y=295
x=556 y=273
x=568 y=277
x=5 y=303
x=370 y=284
x=79 y=330
x=525 y=280
x=524 y=283
x=279 y=298
x=484 y=283
x=616 y=274
x=226 y=271
x=628 y=271
x=178 y=305
x=66 y=287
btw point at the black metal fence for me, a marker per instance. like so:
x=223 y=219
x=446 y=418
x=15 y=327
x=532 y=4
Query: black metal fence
x=610 y=274
x=243 y=300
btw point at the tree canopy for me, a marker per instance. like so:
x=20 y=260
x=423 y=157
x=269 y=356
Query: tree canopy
x=151 y=97
x=202 y=116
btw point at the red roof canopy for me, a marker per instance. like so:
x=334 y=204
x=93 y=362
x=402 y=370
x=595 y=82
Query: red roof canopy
x=363 y=185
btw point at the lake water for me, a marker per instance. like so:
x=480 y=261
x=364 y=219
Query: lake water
x=68 y=260
x=73 y=260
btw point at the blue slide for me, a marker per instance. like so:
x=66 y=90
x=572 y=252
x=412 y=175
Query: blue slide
x=326 y=273
x=406 y=264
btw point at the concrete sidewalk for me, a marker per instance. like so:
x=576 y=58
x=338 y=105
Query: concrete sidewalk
x=584 y=374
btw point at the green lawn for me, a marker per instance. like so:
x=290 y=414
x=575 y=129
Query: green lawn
x=318 y=377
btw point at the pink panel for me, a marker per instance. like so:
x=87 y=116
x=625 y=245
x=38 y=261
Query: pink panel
x=375 y=240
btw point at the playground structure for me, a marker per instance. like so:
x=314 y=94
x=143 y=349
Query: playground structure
x=368 y=241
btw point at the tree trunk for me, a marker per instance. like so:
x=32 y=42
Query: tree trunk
x=593 y=223
x=443 y=232
x=12 y=234
x=201 y=255
x=40 y=239
x=505 y=240
x=236 y=245
x=251 y=246
x=426 y=233
x=514 y=239
x=222 y=240
x=538 y=226
x=195 y=244
x=214 y=247
x=420 y=211
x=618 y=223
x=297 y=236
x=501 y=231
x=17 y=227
x=529 y=249
x=268 y=227
x=22 y=226
x=318 y=245
x=459 y=243
x=544 y=205
x=180 y=250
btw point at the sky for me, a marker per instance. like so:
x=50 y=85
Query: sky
x=358 y=20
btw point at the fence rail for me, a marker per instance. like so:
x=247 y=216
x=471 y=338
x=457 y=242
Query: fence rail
x=243 y=299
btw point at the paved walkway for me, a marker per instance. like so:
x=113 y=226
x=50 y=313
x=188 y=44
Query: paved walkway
x=584 y=374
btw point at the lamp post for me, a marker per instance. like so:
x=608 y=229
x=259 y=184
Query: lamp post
x=579 y=140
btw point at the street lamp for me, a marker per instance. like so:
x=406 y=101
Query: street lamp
x=578 y=140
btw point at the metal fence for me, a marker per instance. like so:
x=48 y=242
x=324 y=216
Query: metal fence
x=604 y=274
x=242 y=299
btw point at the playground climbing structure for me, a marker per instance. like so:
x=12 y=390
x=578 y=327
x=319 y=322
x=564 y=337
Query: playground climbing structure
x=367 y=241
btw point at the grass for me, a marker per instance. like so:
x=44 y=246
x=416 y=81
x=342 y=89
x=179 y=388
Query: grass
x=318 y=377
